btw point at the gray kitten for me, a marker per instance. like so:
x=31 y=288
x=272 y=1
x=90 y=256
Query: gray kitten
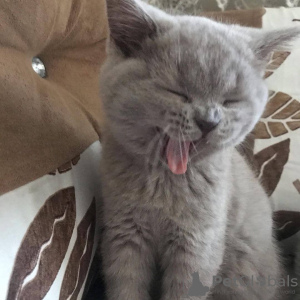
x=179 y=94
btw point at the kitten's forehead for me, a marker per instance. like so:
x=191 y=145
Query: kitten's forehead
x=196 y=52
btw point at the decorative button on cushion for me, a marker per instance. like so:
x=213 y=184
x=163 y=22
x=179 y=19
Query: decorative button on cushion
x=39 y=67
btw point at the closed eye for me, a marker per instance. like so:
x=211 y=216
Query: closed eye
x=228 y=103
x=184 y=97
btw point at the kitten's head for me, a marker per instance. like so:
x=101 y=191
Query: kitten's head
x=179 y=87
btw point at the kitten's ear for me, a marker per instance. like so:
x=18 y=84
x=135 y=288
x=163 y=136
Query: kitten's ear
x=129 y=25
x=265 y=42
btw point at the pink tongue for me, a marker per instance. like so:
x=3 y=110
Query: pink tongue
x=177 y=156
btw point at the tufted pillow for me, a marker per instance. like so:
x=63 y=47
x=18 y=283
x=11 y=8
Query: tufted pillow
x=46 y=122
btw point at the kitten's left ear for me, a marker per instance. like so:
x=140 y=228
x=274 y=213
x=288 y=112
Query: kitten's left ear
x=265 y=42
x=129 y=25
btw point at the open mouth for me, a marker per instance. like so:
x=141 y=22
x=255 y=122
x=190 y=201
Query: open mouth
x=177 y=154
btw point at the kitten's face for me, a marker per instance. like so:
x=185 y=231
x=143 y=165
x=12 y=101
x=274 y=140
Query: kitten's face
x=193 y=88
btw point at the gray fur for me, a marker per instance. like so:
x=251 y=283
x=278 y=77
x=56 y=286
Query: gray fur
x=216 y=218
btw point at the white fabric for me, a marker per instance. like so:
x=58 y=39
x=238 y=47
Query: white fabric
x=19 y=207
x=285 y=79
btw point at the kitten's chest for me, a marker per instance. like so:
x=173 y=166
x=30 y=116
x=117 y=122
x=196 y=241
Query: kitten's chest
x=185 y=197
x=194 y=206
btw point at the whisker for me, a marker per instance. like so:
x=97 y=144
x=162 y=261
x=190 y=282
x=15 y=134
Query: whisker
x=194 y=147
x=197 y=152
x=183 y=139
x=189 y=158
x=182 y=135
x=185 y=175
x=181 y=155
x=193 y=144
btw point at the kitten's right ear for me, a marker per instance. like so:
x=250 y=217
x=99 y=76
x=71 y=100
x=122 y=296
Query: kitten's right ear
x=265 y=42
x=129 y=25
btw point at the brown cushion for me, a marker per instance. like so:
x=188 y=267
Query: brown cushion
x=46 y=122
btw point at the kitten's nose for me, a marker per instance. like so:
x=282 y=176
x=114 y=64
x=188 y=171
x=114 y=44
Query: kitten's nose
x=206 y=126
x=207 y=119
